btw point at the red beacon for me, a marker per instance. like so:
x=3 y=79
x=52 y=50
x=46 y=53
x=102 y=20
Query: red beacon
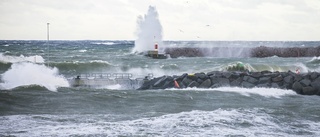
x=156 y=46
x=155 y=53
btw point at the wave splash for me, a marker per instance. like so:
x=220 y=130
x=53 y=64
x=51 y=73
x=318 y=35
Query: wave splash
x=25 y=74
x=149 y=31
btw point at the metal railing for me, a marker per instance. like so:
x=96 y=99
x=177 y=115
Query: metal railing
x=126 y=80
x=111 y=76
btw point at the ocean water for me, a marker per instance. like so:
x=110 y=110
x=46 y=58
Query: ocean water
x=36 y=98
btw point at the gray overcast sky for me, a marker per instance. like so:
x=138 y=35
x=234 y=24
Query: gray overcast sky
x=180 y=19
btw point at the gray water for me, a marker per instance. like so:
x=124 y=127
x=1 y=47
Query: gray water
x=36 y=100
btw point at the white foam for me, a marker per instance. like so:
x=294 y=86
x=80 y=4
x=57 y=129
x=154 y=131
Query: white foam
x=24 y=74
x=112 y=87
x=219 y=122
x=266 y=92
x=100 y=61
x=83 y=50
x=21 y=58
x=105 y=43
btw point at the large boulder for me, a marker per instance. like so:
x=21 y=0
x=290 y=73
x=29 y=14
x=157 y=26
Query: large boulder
x=213 y=73
x=186 y=81
x=275 y=85
x=168 y=84
x=309 y=90
x=316 y=83
x=202 y=76
x=277 y=78
x=180 y=78
x=305 y=82
x=236 y=83
x=256 y=75
x=221 y=81
x=227 y=74
x=205 y=84
x=250 y=79
x=160 y=82
x=193 y=84
x=148 y=84
x=288 y=79
x=314 y=75
x=297 y=77
x=264 y=80
x=246 y=84
x=297 y=87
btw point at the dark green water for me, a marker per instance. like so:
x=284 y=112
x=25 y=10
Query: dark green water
x=36 y=100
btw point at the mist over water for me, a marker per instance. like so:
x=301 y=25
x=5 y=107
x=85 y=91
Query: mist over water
x=149 y=31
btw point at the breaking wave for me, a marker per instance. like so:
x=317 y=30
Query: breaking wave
x=240 y=66
x=315 y=60
x=28 y=74
x=21 y=58
x=219 y=122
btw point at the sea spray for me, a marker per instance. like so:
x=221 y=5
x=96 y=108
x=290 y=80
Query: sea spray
x=149 y=31
x=25 y=74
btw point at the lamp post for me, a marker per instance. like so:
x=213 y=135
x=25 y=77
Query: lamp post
x=48 y=32
x=48 y=42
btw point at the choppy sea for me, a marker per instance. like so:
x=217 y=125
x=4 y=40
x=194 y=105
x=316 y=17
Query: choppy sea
x=37 y=100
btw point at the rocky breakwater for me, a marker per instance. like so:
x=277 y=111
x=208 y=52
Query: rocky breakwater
x=264 y=51
x=259 y=52
x=305 y=84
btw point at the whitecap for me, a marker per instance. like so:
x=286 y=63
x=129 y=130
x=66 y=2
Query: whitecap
x=100 y=61
x=21 y=58
x=83 y=50
x=219 y=122
x=105 y=43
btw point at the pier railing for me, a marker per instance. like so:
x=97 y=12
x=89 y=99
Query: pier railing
x=111 y=76
x=126 y=80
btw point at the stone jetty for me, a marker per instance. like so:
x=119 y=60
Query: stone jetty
x=258 y=52
x=305 y=84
